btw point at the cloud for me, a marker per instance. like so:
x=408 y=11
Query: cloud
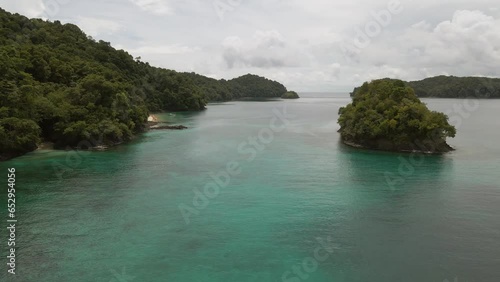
x=96 y=27
x=29 y=8
x=157 y=7
x=175 y=49
x=469 y=39
x=266 y=49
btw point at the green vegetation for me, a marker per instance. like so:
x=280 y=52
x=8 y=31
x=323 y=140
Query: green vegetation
x=255 y=86
x=455 y=87
x=246 y=86
x=57 y=84
x=290 y=95
x=387 y=115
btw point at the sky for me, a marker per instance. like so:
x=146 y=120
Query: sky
x=309 y=46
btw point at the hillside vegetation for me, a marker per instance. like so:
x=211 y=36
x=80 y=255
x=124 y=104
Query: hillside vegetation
x=58 y=84
x=455 y=87
x=290 y=95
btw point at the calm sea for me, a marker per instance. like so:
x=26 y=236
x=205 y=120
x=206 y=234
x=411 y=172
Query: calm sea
x=262 y=191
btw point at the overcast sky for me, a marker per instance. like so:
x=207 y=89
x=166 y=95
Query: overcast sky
x=313 y=45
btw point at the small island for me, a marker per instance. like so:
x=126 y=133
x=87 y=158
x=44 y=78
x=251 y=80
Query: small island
x=290 y=95
x=387 y=115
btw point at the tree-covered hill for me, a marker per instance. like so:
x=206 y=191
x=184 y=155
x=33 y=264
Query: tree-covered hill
x=58 y=84
x=246 y=86
x=455 y=87
x=387 y=115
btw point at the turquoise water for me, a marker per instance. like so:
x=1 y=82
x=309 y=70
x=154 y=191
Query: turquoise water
x=115 y=215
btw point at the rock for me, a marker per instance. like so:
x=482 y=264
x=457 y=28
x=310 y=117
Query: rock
x=168 y=127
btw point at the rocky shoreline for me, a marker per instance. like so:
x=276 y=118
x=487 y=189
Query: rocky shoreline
x=382 y=145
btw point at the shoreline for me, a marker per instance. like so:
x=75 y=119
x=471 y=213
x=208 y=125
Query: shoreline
x=405 y=151
x=153 y=123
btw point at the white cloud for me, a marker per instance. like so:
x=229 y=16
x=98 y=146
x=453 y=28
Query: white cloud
x=175 y=49
x=96 y=27
x=158 y=7
x=29 y=8
x=467 y=44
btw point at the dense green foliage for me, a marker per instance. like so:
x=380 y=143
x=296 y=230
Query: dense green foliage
x=255 y=86
x=455 y=87
x=290 y=95
x=246 y=86
x=60 y=85
x=386 y=114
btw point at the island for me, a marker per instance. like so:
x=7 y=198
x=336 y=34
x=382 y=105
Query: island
x=290 y=95
x=454 y=87
x=60 y=86
x=386 y=115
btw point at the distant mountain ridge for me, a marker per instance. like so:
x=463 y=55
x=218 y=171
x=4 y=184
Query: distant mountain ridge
x=455 y=87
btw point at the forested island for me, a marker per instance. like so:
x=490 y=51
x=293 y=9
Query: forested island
x=59 y=85
x=386 y=115
x=290 y=95
x=455 y=87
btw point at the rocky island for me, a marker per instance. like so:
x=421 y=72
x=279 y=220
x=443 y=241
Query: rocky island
x=387 y=115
